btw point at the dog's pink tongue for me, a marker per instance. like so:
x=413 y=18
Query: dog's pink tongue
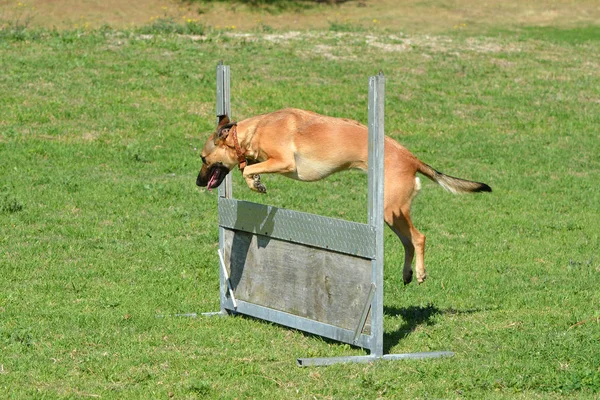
x=212 y=180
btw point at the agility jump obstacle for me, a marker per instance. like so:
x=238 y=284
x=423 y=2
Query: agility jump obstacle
x=308 y=272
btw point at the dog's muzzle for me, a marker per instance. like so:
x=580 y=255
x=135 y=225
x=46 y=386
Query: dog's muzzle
x=212 y=176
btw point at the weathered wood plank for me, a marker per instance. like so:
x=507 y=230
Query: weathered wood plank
x=317 y=284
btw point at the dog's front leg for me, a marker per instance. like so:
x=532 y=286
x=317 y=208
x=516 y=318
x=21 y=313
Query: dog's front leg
x=270 y=166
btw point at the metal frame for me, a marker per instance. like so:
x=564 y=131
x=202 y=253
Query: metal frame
x=360 y=240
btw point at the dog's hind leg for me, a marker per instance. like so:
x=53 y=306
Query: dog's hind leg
x=397 y=216
x=409 y=254
x=414 y=245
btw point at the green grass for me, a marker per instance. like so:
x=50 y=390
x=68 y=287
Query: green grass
x=580 y=35
x=102 y=228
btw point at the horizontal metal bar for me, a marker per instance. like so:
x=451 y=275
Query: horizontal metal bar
x=309 y=229
x=316 y=362
x=299 y=323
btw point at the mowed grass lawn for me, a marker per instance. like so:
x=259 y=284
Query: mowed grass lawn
x=104 y=236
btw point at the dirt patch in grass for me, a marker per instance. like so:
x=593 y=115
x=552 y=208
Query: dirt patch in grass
x=413 y=16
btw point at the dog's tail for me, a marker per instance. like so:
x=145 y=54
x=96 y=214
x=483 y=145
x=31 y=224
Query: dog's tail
x=450 y=183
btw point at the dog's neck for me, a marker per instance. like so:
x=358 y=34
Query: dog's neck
x=245 y=134
x=241 y=154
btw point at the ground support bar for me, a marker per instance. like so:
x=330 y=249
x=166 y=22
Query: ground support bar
x=318 y=362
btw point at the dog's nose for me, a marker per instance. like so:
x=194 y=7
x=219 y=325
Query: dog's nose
x=199 y=180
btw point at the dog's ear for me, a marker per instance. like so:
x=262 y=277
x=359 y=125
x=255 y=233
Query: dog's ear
x=223 y=120
x=223 y=127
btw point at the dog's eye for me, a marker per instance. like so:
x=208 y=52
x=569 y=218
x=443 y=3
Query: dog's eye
x=203 y=159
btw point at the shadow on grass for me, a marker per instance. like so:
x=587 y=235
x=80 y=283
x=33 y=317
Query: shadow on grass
x=414 y=316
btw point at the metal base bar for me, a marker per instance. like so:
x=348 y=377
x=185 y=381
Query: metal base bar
x=188 y=315
x=317 y=362
x=296 y=322
x=214 y=314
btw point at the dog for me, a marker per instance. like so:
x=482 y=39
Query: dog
x=307 y=146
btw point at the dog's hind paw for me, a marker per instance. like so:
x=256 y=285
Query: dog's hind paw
x=407 y=277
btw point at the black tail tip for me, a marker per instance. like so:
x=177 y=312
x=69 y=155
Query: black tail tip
x=484 y=188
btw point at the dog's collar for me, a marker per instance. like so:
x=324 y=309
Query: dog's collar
x=241 y=155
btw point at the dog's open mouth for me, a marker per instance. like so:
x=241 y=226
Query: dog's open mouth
x=216 y=175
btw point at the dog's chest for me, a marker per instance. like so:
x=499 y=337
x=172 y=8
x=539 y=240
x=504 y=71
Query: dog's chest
x=310 y=169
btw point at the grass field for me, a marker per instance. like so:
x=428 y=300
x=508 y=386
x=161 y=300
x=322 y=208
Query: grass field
x=102 y=229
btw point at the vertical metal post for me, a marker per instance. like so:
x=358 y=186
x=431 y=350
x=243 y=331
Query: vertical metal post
x=225 y=189
x=224 y=108
x=375 y=203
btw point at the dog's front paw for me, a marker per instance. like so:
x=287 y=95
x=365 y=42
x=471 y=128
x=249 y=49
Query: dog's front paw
x=258 y=185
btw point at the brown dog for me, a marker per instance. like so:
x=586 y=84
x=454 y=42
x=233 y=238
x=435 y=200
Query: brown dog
x=307 y=146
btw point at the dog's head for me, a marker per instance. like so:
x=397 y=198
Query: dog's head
x=218 y=156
